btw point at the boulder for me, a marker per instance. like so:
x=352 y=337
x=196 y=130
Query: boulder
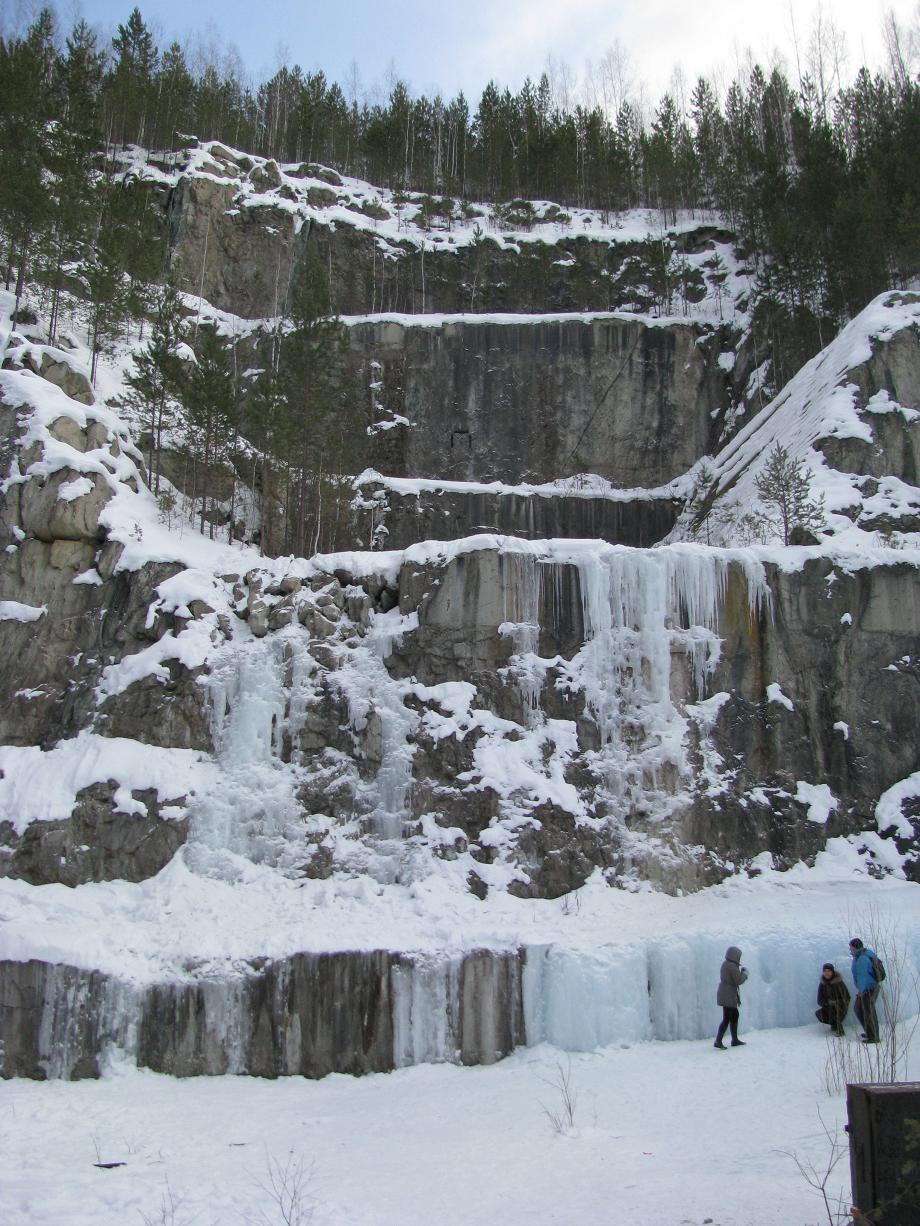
x=65 y=505
x=73 y=382
x=97 y=843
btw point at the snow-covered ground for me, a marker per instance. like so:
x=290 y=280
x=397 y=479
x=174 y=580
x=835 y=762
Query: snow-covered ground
x=674 y=1134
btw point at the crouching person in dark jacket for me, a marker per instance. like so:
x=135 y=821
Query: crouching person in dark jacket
x=731 y=977
x=833 y=999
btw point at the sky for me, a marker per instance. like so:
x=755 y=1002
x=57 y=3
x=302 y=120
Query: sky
x=462 y=45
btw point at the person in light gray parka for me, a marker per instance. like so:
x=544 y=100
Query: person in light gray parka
x=731 y=977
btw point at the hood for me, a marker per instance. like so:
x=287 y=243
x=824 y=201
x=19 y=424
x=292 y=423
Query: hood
x=733 y=954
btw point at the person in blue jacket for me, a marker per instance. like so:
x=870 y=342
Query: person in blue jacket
x=866 y=989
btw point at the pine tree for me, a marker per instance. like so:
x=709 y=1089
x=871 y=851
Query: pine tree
x=131 y=80
x=783 y=485
x=716 y=275
x=175 y=97
x=27 y=109
x=661 y=159
x=708 y=122
x=313 y=427
x=73 y=143
x=160 y=376
x=107 y=289
x=211 y=404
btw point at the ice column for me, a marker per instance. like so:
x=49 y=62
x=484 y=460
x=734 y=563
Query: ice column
x=378 y=713
x=521 y=604
x=641 y=608
x=425 y=1010
x=259 y=692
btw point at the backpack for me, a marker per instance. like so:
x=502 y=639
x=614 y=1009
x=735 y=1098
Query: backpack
x=878 y=968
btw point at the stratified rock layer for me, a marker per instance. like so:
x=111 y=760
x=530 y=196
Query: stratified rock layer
x=311 y=1014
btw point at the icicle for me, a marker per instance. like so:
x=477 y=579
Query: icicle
x=259 y=696
x=425 y=1010
x=640 y=608
x=373 y=696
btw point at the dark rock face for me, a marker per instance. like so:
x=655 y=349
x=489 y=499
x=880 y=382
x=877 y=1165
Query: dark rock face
x=747 y=783
x=311 y=1014
x=97 y=843
x=539 y=401
x=888 y=400
x=53 y=666
x=843 y=649
x=52 y=1020
x=73 y=616
x=445 y=514
x=242 y=259
x=238 y=260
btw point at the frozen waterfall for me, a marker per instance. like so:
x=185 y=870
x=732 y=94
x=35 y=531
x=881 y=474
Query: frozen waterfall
x=649 y=644
x=369 y=1011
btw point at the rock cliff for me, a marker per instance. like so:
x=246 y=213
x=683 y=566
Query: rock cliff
x=538 y=399
x=510 y=689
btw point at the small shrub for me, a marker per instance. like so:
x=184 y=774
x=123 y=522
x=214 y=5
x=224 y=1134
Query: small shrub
x=515 y=215
x=561 y=1113
x=373 y=208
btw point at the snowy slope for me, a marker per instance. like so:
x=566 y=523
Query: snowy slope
x=826 y=403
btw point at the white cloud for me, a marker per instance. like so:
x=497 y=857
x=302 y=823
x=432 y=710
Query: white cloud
x=514 y=39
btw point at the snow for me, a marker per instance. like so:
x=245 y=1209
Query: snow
x=822 y=401
x=435 y=320
x=818 y=797
x=775 y=694
x=42 y=785
x=70 y=491
x=191 y=649
x=584 y=485
x=90 y=577
x=16 y=611
x=670 y=1133
x=889 y=812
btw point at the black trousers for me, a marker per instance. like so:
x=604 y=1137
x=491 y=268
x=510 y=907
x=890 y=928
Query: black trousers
x=864 y=1008
x=729 y=1020
x=831 y=1015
